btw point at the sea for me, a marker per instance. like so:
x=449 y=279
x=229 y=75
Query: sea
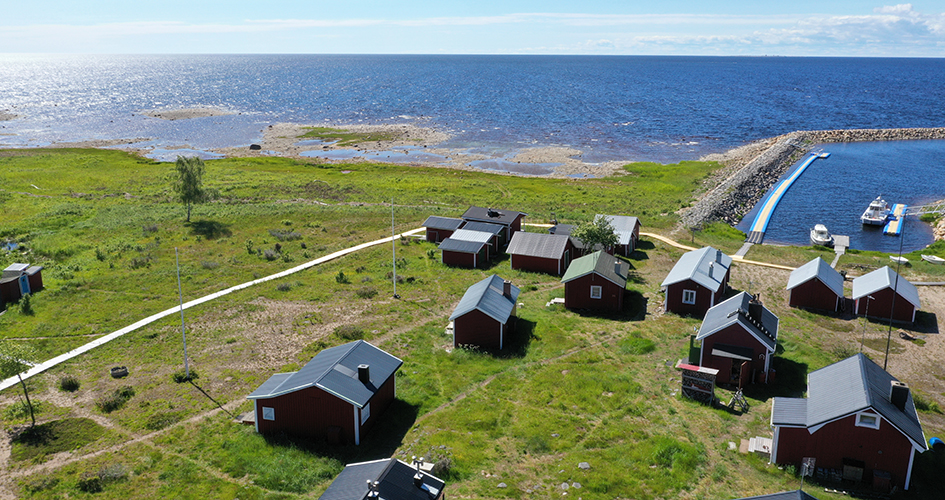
x=623 y=108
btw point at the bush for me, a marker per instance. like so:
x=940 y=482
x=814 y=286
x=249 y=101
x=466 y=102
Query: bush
x=341 y=278
x=94 y=482
x=366 y=292
x=69 y=383
x=26 y=305
x=349 y=332
x=206 y=264
x=271 y=254
x=116 y=399
x=923 y=403
x=284 y=287
x=180 y=376
x=89 y=482
x=284 y=235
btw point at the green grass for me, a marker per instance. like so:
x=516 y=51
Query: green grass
x=69 y=434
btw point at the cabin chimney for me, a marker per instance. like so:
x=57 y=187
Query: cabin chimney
x=755 y=308
x=364 y=373
x=372 y=489
x=418 y=477
x=617 y=267
x=507 y=288
x=898 y=394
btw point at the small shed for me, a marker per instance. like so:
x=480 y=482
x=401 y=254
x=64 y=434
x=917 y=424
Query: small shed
x=697 y=282
x=876 y=294
x=540 y=252
x=739 y=338
x=338 y=395
x=816 y=285
x=627 y=229
x=440 y=228
x=497 y=230
x=467 y=248
x=596 y=281
x=510 y=220
x=18 y=280
x=484 y=316
x=388 y=478
x=856 y=418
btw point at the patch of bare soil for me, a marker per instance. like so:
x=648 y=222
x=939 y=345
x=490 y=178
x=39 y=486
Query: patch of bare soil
x=186 y=113
x=7 y=116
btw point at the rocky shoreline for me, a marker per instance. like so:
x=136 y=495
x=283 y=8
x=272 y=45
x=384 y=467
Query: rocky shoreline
x=753 y=169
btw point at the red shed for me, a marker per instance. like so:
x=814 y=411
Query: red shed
x=509 y=219
x=484 y=315
x=697 y=282
x=467 y=248
x=874 y=292
x=596 y=281
x=440 y=228
x=739 y=337
x=540 y=252
x=816 y=285
x=627 y=229
x=339 y=394
x=857 y=418
x=18 y=280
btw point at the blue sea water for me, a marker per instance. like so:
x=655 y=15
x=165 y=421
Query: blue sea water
x=663 y=109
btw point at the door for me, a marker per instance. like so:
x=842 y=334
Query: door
x=24 y=284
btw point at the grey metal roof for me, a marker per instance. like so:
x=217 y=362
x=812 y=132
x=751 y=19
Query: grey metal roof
x=498 y=216
x=461 y=246
x=623 y=225
x=394 y=478
x=789 y=411
x=15 y=270
x=470 y=235
x=784 y=495
x=485 y=227
x=335 y=370
x=546 y=246
x=736 y=310
x=706 y=266
x=601 y=263
x=487 y=296
x=885 y=278
x=820 y=269
x=847 y=387
x=33 y=270
x=561 y=229
x=435 y=222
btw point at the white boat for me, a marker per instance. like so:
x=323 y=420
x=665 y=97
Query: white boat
x=933 y=259
x=901 y=260
x=877 y=213
x=820 y=236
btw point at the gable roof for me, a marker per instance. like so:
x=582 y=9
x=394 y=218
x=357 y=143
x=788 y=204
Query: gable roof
x=335 y=370
x=15 y=270
x=820 y=269
x=885 y=278
x=706 y=266
x=624 y=226
x=485 y=227
x=736 y=310
x=844 y=388
x=546 y=246
x=394 y=482
x=487 y=297
x=470 y=235
x=435 y=222
x=504 y=217
x=461 y=246
x=601 y=263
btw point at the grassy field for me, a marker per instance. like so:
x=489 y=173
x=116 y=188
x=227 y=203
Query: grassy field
x=573 y=388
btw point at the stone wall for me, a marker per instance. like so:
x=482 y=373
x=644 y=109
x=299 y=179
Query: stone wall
x=736 y=195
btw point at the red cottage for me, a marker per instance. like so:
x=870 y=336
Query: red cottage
x=484 y=315
x=739 y=337
x=18 y=280
x=596 y=281
x=388 y=478
x=509 y=219
x=338 y=395
x=440 y=228
x=874 y=292
x=467 y=248
x=857 y=418
x=540 y=252
x=628 y=232
x=816 y=285
x=697 y=282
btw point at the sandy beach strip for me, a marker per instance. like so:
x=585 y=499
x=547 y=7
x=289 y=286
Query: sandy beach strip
x=185 y=113
x=6 y=116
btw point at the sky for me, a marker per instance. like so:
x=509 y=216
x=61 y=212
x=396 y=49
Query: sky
x=593 y=27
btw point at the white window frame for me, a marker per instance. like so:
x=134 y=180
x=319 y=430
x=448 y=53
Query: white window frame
x=597 y=291
x=365 y=413
x=862 y=417
x=269 y=413
x=692 y=300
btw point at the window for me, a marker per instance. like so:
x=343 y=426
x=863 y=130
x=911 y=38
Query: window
x=688 y=296
x=365 y=413
x=269 y=413
x=596 y=291
x=870 y=420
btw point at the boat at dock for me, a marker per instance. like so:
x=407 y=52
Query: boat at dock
x=933 y=259
x=820 y=236
x=877 y=213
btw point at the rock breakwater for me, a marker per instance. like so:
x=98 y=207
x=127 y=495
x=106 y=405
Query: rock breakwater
x=736 y=194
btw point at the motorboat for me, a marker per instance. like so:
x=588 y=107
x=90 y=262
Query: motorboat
x=898 y=259
x=933 y=259
x=820 y=236
x=877 y=213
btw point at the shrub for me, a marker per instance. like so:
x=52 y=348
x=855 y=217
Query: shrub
x=26 y=305
x=366 y=292
x=41 y=484
x=180 y=376
x=284 y=287
x=249 y=247
x=206 y=264
x=431 y=254
x=116 y=399
x=149 y=228
x=89 y=482
x=160 y=420
x=349 y=332
x=271 y=254
x=284 y=235
x=100 y=254
x=139 y=262
x=69 y=383
x=923 y=403
x=341 y=278
x=94 y=482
